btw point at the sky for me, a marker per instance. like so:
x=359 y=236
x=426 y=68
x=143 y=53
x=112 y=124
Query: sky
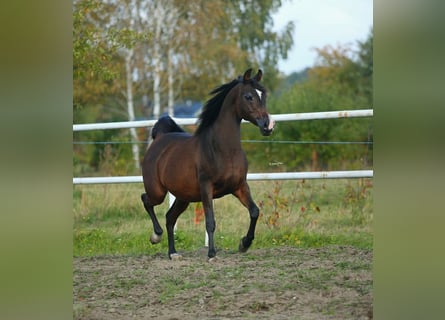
x=319 y=23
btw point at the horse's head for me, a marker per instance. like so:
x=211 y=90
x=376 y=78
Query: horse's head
x=252 y=102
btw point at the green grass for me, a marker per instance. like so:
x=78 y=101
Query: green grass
x=110 y=219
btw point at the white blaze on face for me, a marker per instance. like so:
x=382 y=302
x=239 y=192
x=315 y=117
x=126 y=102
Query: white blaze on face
x=271 y=123
x=259 y=93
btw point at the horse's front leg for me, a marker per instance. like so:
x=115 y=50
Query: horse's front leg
x=243 y=194
x=207 y=204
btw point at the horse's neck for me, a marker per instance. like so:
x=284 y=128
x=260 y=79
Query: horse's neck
x=226 y=129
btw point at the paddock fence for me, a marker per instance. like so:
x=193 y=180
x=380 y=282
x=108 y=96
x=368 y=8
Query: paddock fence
x=250 y=176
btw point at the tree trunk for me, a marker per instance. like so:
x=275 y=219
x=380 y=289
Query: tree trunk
x=158 y=15
x=171 y=97
x=156 y=87
x=130 y=108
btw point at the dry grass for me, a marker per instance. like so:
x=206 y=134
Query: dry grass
x=110 y=219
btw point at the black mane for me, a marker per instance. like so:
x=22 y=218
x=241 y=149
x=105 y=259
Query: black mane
x=212 y=107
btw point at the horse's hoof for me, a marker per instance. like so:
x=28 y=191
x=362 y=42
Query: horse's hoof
x=213 y=259
x=155 y=238
x=175 y=256
x=241 y=247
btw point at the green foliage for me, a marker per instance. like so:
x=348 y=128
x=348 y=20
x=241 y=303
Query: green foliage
x=252 y=25
x=207 y=38
x=96 y=39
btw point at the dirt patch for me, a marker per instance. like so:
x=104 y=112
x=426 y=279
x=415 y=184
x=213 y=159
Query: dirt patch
x=281 y=283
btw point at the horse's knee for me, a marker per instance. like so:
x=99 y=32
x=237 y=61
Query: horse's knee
x=210 y=226
x=254 y=212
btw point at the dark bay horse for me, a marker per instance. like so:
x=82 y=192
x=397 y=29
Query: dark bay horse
x=208 y=164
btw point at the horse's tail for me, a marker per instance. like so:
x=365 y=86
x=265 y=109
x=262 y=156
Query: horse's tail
x=165 y=124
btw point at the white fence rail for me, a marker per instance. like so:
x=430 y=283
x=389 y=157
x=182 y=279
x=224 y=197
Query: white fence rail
x=250 y=176
x=191 y=121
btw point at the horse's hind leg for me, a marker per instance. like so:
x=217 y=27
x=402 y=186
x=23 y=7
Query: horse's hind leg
x=157 y=234
x=172 y=215
x=243 y=194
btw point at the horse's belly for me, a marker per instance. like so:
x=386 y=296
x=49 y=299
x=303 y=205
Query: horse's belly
x=183 y=185
x=189 y=190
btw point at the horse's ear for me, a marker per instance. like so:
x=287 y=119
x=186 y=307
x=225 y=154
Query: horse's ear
x=258 y=76
x=247 y=74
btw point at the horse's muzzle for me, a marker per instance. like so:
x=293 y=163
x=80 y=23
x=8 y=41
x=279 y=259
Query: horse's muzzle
x=266 y=125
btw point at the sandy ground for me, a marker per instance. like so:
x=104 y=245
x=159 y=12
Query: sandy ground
x=333 y=282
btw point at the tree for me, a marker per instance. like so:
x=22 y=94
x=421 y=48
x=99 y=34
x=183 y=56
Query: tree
x=365 y=65
x=100 y=40
x=192 y=41
x=253 y=24
x=97 y=37
x=131 y=54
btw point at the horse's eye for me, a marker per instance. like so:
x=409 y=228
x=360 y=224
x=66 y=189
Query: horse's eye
x=248 y=97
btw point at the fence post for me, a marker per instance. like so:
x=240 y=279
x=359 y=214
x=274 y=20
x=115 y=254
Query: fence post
x=171 y=200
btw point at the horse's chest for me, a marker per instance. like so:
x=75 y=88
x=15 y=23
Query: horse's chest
x=228 y=179
x=225 y=172
x=233 y=165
